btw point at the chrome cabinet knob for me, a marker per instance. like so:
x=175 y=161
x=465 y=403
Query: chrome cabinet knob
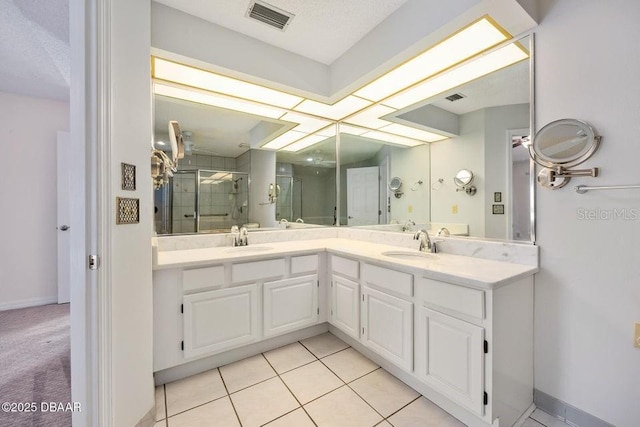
x=64 y=227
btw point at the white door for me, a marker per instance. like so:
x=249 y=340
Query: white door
x=363 y=196
x=450 y=358
x=388 y=327
x=385 y=201
x=345 y=306
x=290 y=304
x=219 y=320
x=65 y=181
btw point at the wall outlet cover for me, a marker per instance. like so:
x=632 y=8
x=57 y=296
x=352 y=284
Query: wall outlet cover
x=636 y=335
x=128 y=210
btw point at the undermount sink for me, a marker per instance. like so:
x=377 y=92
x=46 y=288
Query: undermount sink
x=409 y=255
x=249 y=249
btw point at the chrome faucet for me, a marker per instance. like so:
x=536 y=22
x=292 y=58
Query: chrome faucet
x=244 y=237
x=300 y=220
x=235 y=234
x=284 y=223
x=444 y=232
x=408 y=226
x=425 y=241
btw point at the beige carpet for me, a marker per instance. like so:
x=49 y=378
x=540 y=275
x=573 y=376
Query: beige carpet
x=34 y=363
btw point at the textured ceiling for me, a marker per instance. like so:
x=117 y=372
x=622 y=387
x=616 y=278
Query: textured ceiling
x=34 y=48
x=321 y=29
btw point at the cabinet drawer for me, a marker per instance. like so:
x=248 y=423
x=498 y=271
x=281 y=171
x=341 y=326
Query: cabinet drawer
x=257 y=270
x=200 y=278
x=304 y=264
x=396 y=281
x=344 y=266
x=452 y=297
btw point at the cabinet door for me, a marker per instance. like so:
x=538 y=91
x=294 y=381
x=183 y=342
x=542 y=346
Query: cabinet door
x=388 y=327
x=345 y=306
x=290 y=304
x=450 y=357
x=219 y=320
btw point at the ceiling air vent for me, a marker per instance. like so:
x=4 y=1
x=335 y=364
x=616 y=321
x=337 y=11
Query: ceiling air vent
x=455 y=97
x=269 y=15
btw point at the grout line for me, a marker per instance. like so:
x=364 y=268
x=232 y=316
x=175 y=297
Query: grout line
x=198 y=406
x=400 y=409
x=292 y=394
x=364 y=375
x=166 y=411
x=229 y=396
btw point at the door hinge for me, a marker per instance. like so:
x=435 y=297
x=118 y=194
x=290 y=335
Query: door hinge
x=362 y=297
x=318 y=282
x=486 y=347
x=379 y=212
x=94 y=262
x=332 y=312
x=182 y=346
x=485 y=398
x=318 y=310
x=181 y=308
x=362 y=331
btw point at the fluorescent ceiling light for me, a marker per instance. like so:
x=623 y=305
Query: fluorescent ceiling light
x=468 y=42
x=216 y=100
x=352 y=130
x=412 y=132
x=328 y=132
x=370 y=117
x=189 y=76
x=305 y=123
x=501 y=58
x=394 y=139
x=304 y=143
x=337 y=111
x=284 y=139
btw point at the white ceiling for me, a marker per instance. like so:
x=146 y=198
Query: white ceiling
x=34 y=48
x=321 y=30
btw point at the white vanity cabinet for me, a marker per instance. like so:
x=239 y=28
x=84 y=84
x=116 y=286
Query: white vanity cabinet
x=387 y=314
x=290 y=304
x=220 y=319
x=344 y=293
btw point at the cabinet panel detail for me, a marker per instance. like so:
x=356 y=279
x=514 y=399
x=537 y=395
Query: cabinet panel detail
x=221 y=319
x=450 y=357
x=345 y=305
x=388 y=327
x=290 y=304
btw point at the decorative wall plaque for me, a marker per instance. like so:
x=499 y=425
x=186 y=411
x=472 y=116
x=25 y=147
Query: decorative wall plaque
x=128 y=177
x=498 y=209
x=128 y=211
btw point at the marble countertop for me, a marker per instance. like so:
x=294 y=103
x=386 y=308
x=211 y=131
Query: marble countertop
x=457 y=269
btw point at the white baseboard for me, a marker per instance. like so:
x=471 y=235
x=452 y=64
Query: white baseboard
x=32 y=302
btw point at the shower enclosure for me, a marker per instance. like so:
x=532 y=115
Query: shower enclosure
x=202 y=201
x=289 y=201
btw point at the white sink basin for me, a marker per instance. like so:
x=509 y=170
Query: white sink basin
x=409 y=255
x=248 y=249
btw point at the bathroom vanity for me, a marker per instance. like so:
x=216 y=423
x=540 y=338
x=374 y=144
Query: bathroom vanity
x=456 y=328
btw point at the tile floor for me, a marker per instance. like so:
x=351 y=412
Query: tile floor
x=320 y=381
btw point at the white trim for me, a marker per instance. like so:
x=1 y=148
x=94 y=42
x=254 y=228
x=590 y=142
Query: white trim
x=103 y=214
x=31 y=302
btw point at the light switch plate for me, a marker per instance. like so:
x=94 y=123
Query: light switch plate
x=636 y=335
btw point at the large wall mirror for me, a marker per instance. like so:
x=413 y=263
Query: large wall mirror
x=352 y=176
x=489 y=121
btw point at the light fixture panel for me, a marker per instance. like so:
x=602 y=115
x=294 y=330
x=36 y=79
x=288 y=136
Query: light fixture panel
x=411 y=132
x=371 y=117
x=346 y=106
x=306 y=124
x=284 y=140
x=304 y=143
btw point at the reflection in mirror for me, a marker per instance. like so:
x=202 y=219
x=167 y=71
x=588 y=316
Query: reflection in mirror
x=307 y=182
x=367 y=169
x=481 y=118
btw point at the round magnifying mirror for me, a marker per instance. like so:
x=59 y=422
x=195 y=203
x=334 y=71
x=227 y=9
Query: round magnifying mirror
x=395 y=184
x=566 y=143
x=463 y=178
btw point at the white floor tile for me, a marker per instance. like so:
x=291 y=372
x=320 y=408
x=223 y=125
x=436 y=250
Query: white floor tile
x=289 y=357
x=530 y=422
x=423 y=413
x=297 y=418
x=218 y=413
x=349 y=364
x=324 y=345
x=162 y=423
x=343 y=408
x=246 y=372
x=546 y=419
x=384 y=392
x=311 y=381
x=193 y=391
x=161 y=410
x=263 y=402
x=384 y=423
